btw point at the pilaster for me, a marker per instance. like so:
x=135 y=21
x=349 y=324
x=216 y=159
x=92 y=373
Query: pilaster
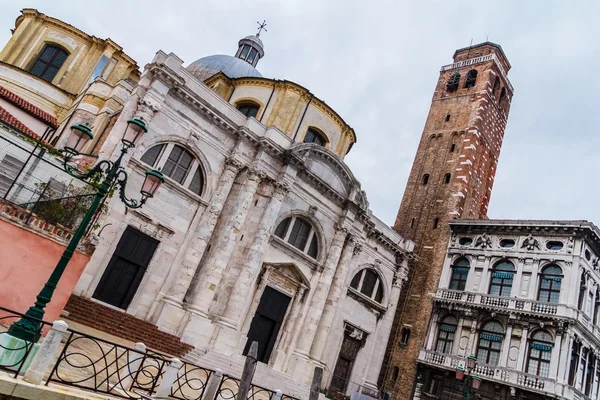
x=333 y=297
x=196 y=244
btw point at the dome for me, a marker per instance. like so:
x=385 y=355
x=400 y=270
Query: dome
x=231 y=66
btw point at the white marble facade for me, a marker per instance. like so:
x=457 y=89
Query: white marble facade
x=524 y=298
x=218 y=250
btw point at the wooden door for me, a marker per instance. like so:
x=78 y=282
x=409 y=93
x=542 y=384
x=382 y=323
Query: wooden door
x=267 y=322
x=345 y=362
x=126 y=268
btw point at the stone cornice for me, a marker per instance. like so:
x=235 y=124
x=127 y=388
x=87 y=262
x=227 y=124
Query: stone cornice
x=580 y=229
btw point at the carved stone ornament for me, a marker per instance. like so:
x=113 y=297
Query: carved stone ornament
x=233 y=164
x=530 y=243
x=483 y=241
x=570 y=245
x=312 y=210
x=357 y=250
x=146 y=108
x=595 y=263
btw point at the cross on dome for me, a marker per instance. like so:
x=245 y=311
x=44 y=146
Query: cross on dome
x=261 y=27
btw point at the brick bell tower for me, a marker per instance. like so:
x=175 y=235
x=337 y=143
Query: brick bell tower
x=451 y=177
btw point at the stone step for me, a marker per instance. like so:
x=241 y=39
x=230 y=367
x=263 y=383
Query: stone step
x=264 y=375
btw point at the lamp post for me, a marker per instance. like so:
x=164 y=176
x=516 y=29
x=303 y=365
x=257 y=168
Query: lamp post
x=468 y=383
x=112 y=174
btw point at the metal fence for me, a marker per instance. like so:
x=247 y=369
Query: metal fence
x=32 y=177
x=88 y=362
x=94 y=364
x=17 y=353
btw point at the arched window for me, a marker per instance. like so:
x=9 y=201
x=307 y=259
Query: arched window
x=299 y=233
x=445 y=337
x=502 y=279
x=447 y=118
x=313 y=136
x=436 y=222
x=49 y=62
x=496 y=86
x=395 y=373
x=502 y=96
x=178 y=164
x=490 y=343
x=447 y=178
x=453 y=82
x=248 y=108
x=460 y=271
x=452 y=148
x=540 y=350
x=471 y=78
x=550 y=281
x=405 y=335
x=425 y=179
x=368 y=283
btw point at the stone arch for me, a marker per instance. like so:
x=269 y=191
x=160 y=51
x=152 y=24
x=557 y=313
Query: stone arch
x=251 y=100
x=150 y=141
x=377 y=269
x=316 y=225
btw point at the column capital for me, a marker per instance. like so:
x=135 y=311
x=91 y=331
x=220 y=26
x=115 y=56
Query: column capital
x=255 y=174
x=233 y=164
x=281 y=189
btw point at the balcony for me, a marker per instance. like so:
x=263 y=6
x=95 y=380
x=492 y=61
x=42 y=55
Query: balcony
x=501 y=375
x=497 y=303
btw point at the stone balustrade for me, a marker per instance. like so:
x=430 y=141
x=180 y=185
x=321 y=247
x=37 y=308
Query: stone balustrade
x=499 y=374
x=512 y=304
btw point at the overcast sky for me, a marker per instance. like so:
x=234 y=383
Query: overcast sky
x=376 y=63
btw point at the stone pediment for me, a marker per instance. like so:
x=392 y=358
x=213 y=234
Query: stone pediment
x=327 y=167
x=291 y=272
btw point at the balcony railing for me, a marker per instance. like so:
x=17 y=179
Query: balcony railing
x=500 y=374
x=506 y=303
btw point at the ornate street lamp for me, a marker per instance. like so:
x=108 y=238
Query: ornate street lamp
x=112 y=174
x=467 y=382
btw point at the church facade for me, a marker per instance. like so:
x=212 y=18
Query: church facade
x=260 y=232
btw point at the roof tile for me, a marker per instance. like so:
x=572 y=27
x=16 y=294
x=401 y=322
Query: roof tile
x=27 y=107
x=10 y=119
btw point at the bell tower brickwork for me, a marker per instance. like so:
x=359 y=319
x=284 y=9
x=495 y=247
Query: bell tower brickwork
x=451 y=177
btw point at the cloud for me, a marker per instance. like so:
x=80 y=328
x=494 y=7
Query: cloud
x=377 y=64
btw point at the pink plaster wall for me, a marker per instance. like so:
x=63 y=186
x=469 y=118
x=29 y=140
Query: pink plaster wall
x=26 y=262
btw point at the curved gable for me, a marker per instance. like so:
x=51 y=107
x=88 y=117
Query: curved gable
x=327 y=166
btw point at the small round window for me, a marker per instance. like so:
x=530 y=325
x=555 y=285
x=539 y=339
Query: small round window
x=465 y=241
x=588 y=256
x=554 y=245
x=507 y=243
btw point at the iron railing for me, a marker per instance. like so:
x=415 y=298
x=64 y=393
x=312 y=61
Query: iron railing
x=16 y=354
x=91 y=363
x=191 y=382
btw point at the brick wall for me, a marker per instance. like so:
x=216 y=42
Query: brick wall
x=121 y=324
x=462 y=137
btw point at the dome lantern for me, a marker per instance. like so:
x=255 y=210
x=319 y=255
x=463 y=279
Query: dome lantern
x=250 y=48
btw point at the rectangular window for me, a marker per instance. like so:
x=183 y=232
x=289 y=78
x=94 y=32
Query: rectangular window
x=9 y=169
x=99 y=68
